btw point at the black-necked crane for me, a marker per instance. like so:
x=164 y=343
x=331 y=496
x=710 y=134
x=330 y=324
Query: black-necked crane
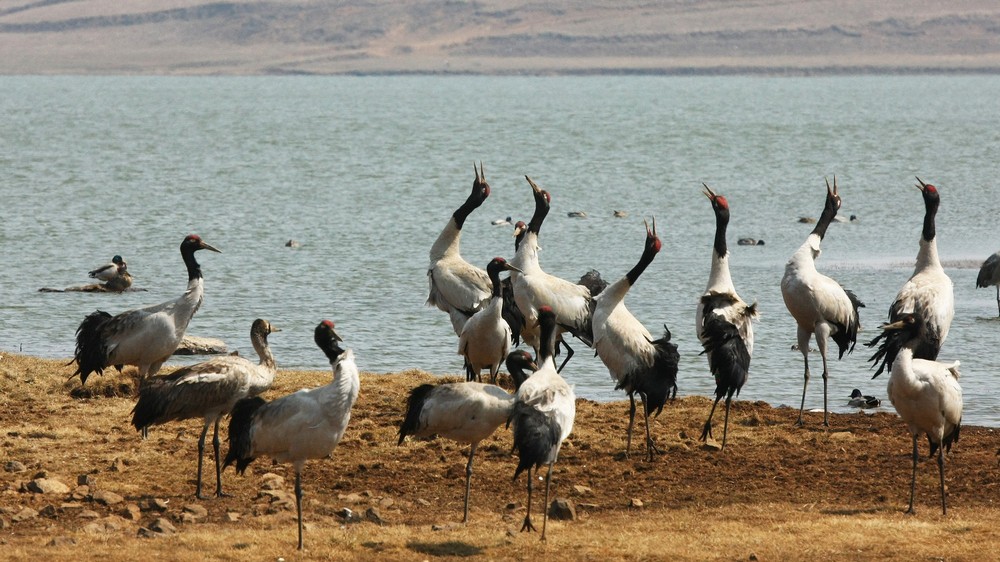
x=724 y=322
x=989 y=274
x=145 y=337
x=520 y=364
x=534 y=288
x=456 y=286
x=307 y=424
x=108 y=271
x=819 y=304
x=925 y=393
x=929 y=293
x=637 y=363
x=207 y=390
x=467 y=412
x=544 y=408
x=486 y=336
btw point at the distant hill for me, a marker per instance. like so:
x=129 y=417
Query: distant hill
x=497 y=37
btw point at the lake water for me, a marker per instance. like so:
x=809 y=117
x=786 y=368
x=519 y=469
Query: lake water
x=366 y=171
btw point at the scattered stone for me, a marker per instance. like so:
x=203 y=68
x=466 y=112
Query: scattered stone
x=232 y=516
x=24 y=515
x=69 y=506
x=753 y=557
x=61 y=541
x=86 y=480
x=841 y=435
x=635 y=502
x=163 y=525
x=88 y=514
x=280 y=499
x=511 y=506
x=15 y=466
x=423 y=502
x=132 y=512
x=81 y=493
x=193 y=345
x=267 y=477
x=587 y=506
x=350 y=498
x=153 y=504
x=105 y=497
x=273 y=484
x=41 y=474
x=446 y=527
x=5 y=524
x=712 y=445
x=582 y=490
x=372 y=514
x=562 y=509
x=386 y=503
x=117 y=465
x=196 y=510
x=48 y=511
x=47 y=486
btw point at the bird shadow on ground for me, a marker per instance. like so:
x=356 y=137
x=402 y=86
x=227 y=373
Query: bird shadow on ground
x=449 y=548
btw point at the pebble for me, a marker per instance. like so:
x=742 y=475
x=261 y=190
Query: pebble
x=81 y=492
x=47 y=486
x=105 y=497
x=232 y=516
x=562 y=509
x=635 y=502
x=88 y=514
x=86 y=480
x=132 y=512
x=15 y=466
x=582 y=490
x=153 y=504
x=372 y=514
x=163 y=525
x=24 y=515
x=48 y=511
x=196 y=510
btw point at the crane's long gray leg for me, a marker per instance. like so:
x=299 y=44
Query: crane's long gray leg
x=201 y=453
x=631 y=422
x=706 y=432
x=998 y=300
x=569 y=353
x=913 y=482
x=545 y=511
x=822 y=335
x=725 y=428
x=468 y=479
x=218 y=461
x=944 y=507
x=650 y=444
x=527 y=526
x=298 y=502
x=803 y=338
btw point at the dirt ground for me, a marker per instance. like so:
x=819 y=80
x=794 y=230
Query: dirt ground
x=777 y=492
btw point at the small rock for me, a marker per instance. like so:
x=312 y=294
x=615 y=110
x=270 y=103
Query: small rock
x=273 y=484
x=372 y=514
x=423 y=502
x=587 y=506
x=196 y=510
x=69 y=506
x=582 y=490
x=48 y=511
x=61 y=541
x=386 y=503
x=24 y=515
x=15 y=466
x=753 y=557
x=350 y=498
x=132 y=512
x=86 y=480
x=280 y=499
x=446 y=527
x=269 y=476
x=194 y=345
x=41 y=474
x=712 y=445
x=117 y=465
x=841 y=435
x=163 y=525
x=562 y=509
x=105 y=497
x=88 y=514
x=511 y=506
x=81 y=493
x=635 y=502
x=4 y=524
x=47 y=486
x=153 y=504
x=232 y=516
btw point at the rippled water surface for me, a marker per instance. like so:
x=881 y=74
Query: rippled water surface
x=365 y=172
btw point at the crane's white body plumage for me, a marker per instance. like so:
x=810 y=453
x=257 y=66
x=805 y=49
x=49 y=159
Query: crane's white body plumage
x=737 y=313
x=456 y=286
x=486 y=337
x=929 y=293
x=926 y=394
x=467 y=412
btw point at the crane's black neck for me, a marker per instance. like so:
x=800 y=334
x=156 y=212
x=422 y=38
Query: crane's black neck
x=493 y=270
x=541 y=210
x=829 y=212
x=463 y=212
x=721 y=224
x=194 y=270
x=330 y=349
x=547 y=349
x=647 y=258
x=931 y=203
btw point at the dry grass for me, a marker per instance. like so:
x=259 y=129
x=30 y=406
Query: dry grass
x=778 y=492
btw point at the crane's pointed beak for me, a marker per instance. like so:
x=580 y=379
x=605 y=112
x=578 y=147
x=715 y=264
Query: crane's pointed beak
x=206 y=246
x=921 y=185
x=897 y=325
x=708 y=192
x=510 y=267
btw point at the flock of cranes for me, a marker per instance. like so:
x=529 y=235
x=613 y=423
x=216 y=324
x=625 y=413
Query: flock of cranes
x=491 y=316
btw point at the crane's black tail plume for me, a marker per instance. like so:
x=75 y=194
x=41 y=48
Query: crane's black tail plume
x=892 y=340
x=152 y=403
x=535 y=435
x=510 y=312
x=847 y=336
x=730 y=357
x=91 y=355
x=414 y=404
x=658 y=382
x=241 y=433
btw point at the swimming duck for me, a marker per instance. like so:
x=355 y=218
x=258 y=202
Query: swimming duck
x=109 y=271
x=501 y=222
x=859 y=400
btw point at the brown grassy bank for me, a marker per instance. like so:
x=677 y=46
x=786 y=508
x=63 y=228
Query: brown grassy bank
x=777 y=493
